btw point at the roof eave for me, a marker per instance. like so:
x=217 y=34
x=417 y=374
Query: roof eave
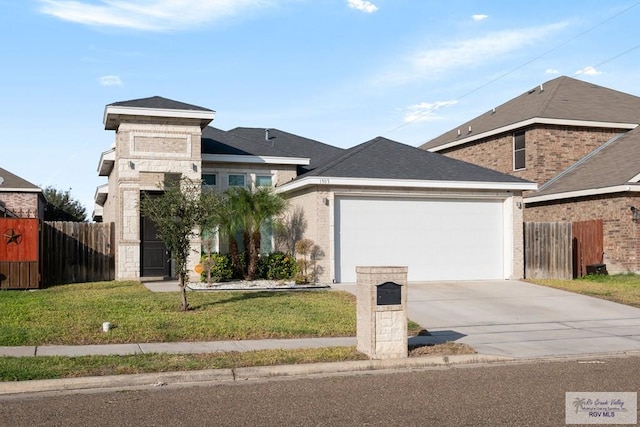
x=239 y=158
x=107 y=161
x=582 y=193
x=530 y=122
x=113 y=113
x=407 y=183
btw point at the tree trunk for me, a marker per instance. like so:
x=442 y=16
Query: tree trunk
x=184 y=306
x=254 y=252
x=235 y=258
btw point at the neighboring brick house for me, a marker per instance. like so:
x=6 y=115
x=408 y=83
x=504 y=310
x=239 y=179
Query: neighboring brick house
x=577 y=141
x=379 y=203
x=19 y=197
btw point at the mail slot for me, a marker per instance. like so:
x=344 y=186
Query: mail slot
x=389 y=293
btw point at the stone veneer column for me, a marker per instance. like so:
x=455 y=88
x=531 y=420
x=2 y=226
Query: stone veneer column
x=381 y=329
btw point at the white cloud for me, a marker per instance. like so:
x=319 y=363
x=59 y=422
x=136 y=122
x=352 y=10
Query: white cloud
x=147 y=15
x=479 y=17
x=465 y=53
x=588 y=71
x=551 y=71
x=110 y=81
x=425 y=111
x=363 y=5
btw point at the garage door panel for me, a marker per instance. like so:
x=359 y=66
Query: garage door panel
x=438 y=239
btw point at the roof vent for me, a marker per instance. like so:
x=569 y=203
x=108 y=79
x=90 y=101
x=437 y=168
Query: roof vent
x=266 y=134
x=1 y=180
x=458 y=132
x=541 y=88
x=493 y=110
x=469 y=129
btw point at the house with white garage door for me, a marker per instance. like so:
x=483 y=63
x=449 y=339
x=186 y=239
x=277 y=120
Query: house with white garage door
x=379 y=203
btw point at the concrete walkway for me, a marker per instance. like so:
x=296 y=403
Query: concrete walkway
x=175 y=347
x=521 y=320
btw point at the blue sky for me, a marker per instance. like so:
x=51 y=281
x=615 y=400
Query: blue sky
x=339 y=71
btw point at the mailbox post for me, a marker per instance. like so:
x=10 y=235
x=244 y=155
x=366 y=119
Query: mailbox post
x=382 y=312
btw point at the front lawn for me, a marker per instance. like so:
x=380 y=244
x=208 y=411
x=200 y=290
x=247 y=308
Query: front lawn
x=621 y=288
x=73 y=314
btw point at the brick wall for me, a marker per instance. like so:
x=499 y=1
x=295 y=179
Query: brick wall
x=23 y=204
x=549 y=150
x=621 y=233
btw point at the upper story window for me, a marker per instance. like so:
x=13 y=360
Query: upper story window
x=237 y=180
x=519 y=161
x=264 y=181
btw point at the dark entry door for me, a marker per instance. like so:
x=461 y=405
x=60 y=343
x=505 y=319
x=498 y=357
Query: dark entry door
x=154 y=258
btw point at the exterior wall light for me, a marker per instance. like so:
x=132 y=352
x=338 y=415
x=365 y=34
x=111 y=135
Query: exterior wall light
x=635 y=214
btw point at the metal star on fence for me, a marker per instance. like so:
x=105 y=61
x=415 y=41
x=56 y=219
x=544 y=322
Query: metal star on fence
x=12 y=236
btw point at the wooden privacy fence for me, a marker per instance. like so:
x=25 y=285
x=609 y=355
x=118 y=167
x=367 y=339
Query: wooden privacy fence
x=562 y=250
x=75 y=252
x=19 y=253
x=588 y=245
x=547 y=250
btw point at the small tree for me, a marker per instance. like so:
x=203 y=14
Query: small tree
x=177 y=214
x=62 y=207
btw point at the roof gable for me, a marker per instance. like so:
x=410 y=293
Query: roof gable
x=12 y=182
x=382 y=158
x=560 y=99
x=617 y=163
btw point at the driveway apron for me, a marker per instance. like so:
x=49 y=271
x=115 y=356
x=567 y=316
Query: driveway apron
x=521 y=320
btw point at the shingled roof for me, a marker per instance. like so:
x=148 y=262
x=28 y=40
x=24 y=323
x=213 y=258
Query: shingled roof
x=612 y=167
x=158 y=102
x=382 y=158
x=317 y=152
x=562 y=99
x=13 y=183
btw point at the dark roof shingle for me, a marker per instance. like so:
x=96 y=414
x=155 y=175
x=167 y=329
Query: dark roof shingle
x=562 y=98
x=159 y=103
x=383 y=158
x=9 y=181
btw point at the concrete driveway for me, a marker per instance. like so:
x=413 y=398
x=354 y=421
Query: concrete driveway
x=521 y=320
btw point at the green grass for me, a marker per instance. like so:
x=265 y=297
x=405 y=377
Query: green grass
x=54 y=367
x=621 y=288
x=73 y=314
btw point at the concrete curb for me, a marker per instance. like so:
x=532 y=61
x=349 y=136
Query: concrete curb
x=239 y=374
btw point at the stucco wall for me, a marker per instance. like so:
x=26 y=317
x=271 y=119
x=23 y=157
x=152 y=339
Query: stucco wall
x=621 y=233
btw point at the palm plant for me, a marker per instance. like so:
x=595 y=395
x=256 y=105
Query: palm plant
x=251 y=210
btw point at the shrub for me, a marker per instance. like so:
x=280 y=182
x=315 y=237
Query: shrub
x=277 y=266
x=216 y=267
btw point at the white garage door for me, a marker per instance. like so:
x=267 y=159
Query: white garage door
x=438 y=239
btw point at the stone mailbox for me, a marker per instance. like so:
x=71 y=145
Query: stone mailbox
x=382 y=312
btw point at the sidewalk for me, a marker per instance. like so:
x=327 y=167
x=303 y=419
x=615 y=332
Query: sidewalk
x=175 y=347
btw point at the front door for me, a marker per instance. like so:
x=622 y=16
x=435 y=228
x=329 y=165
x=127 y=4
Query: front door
x=154 y=257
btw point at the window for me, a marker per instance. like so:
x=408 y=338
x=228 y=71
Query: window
x=236 y=180
x=518 y=151
x=263 y=181
x=209 y=180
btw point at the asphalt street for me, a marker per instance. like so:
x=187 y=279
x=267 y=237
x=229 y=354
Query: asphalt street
x=525 y=393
